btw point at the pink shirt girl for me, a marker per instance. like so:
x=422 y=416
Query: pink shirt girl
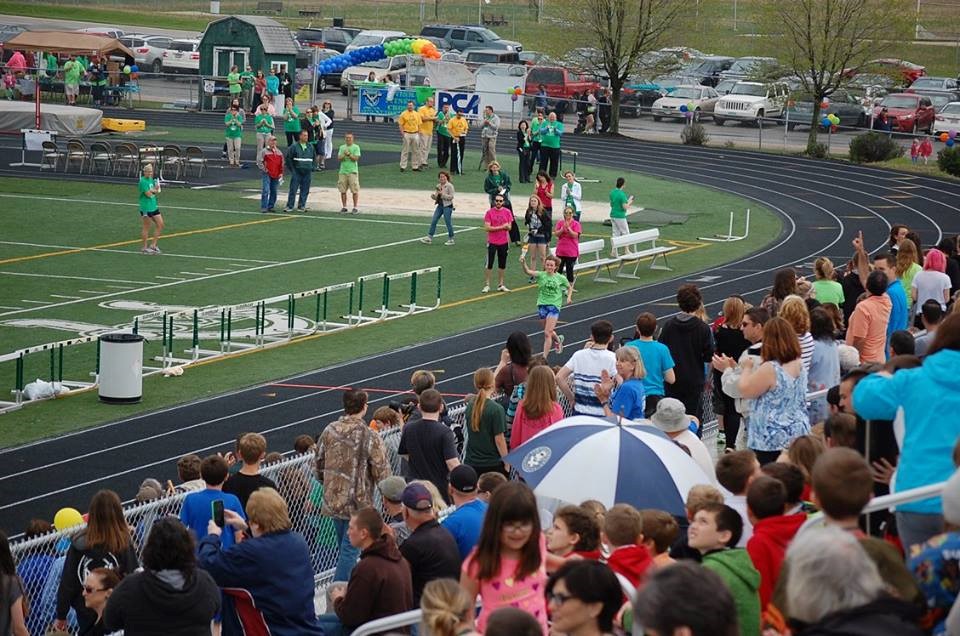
x=926 y=147
x=568 y=241
x=495 y=217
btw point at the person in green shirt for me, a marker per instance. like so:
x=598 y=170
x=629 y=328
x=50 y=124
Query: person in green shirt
x=291 y=121
x=246 y=85
x=72 y=72
x=825 y=288
x=550 y=294
x=264 y=125
x=619 y=202
x=550 y=133
x=443 y=136
x=149 y=188
x=486 y=424
x=233 y=121
x=536 y=137
x=52 y=65
x=349 y=176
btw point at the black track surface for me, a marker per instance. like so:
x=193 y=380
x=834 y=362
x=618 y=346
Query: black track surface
x=822 y=204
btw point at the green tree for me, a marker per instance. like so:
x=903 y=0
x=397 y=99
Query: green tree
x=620 y=32
x=818 y=39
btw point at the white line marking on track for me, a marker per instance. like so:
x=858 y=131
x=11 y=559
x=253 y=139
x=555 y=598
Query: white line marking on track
x=136 y=252
x=98 y=280
x=218 y=269
x=119 y=286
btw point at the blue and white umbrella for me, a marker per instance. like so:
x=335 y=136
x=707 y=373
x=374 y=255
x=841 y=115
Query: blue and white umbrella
x=584 y=457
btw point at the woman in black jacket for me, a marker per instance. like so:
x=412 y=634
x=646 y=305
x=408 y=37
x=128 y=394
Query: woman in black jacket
x=171 y=595
x=523 y=150
x=104 y=543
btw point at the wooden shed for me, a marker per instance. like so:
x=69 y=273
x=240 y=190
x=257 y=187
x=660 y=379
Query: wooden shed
x=243 y=39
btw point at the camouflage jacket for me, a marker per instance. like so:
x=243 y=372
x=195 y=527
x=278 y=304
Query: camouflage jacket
x=351 y=460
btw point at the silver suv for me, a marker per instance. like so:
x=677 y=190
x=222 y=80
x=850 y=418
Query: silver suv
x=462 y=38
x=147 y=50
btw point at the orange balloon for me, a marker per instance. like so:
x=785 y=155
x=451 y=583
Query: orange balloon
x=944 y=136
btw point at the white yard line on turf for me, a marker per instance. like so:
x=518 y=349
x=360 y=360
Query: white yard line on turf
x=170 y=277
x=36 y=302
x=9 y=307
x=99 y=280
x=63 y=296
x=247 y=270
x=91 y=291
x=134 y=252
x=196 y=273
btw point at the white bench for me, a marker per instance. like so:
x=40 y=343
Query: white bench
x=591 y=256
x=625 y=246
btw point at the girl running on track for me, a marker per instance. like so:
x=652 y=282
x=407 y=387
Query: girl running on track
x=550 y=288
x=150 y=210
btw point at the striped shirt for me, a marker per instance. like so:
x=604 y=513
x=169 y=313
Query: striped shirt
x=806 y=350
x=586 y=366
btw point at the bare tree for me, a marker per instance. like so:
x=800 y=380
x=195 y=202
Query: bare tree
x=621 y=31
x=820 y=39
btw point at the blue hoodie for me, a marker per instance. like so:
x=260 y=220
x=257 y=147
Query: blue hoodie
x=930 y=398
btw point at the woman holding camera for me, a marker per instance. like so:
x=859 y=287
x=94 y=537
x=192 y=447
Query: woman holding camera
x=443 y=196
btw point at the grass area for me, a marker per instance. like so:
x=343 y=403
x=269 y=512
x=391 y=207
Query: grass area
x=231 y=254
x=928 y=170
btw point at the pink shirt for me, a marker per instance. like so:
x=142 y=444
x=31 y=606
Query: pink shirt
x=526 y=427
x=567 y=244
x=506 y=591
x=495 y=217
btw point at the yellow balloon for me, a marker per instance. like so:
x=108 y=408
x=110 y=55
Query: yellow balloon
x=67 y=518
x=417 y=46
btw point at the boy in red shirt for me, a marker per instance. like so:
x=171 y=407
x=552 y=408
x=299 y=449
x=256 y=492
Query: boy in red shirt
x=772 y=531
x=622 y=528
x=270 y=163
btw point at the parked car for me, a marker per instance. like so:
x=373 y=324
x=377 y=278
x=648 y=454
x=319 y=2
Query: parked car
x=725 y=86
x=462 y=37
x=751 y=101
x=909 y=112
x=374 y=37
x=147 y=50
x=533 y=58
x=112 y=32
x=441 y=44
x=477 y=57
x=939 y=99
x=947 y=119
x=744 y=67
x=306 y=69
x=354 y=75
x=183 y=56
x=584 y=58
x=558 y=81
x=707 y=69
x=895 y=69
x=848 y=107
x=701 y=98
x=928 y=83
x=638 y=98
x=324 y=37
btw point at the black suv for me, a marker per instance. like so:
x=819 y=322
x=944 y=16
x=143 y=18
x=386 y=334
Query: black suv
x=326 y=37
x=462 y=38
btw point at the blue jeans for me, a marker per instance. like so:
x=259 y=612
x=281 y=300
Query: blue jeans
x=331 y=625
x=446 y=211
x=915 y=527
x=299 y=181
x=348 y=554
x=268 y=191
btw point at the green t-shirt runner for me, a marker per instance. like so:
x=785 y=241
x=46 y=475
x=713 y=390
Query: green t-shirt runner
x=349 y=166
x=148 y=202
x=618 y=198
x=551 y=288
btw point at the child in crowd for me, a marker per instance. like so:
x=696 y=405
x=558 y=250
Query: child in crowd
x=9 y=82
x=574 y=532
x=660 y=530
x=698 y=497
x=197 y=509
x=772 y=531
x=735 y=471
x=914 y=151
x=792 y=479
x=926 y=149
x=714 y=532
x=487 y=483
x=622 y=529
x=253 y=448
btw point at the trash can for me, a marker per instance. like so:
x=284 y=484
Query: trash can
x=121 y=368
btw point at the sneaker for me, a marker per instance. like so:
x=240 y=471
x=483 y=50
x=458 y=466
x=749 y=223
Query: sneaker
x=343 y=210
x=155 y=250
x=354 y=211
x=146 y=250
x=485 y=289
x=502 y=288
x=264 y=210
x=450 y=242
x=288 y=210
x=301 y=209
x=533 y=279
x=427 y=240
x=559 y=343
x=269 y=209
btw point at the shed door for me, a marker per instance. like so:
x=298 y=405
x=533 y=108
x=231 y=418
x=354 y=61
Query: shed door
x=224 y=57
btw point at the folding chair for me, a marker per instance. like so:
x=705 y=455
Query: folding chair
x=51 y=155
x=76 y=151
x=193 y=156
x=125 y=153
x=171 y=159
x=101 y=153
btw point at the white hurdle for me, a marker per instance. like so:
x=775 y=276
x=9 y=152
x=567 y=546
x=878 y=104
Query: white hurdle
x=730 y=237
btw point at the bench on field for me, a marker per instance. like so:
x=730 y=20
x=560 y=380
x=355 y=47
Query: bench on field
x=310 y=13
x=626 y=248
x=269 y=6
x=494 y=20
x=591 y=256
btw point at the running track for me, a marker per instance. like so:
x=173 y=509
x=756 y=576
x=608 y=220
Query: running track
x=822 y=205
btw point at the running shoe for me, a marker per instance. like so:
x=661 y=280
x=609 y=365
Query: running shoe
x=343 y=210
x=301 y=209
x=427 y=240
x=450 y=242
x=146 y=250
x=155 y=250
x=288 y=210
x=502 y=288
x=559 y=344
x=485 y=289
x=354 y=211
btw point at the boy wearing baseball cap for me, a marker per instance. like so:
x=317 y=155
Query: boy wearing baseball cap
x=465 y=522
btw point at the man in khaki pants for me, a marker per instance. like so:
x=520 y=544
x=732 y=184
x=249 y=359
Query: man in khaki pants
x=428 y=115
x=409 y=122
x=489 y=127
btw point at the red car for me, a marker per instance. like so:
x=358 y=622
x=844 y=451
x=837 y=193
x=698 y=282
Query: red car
x=908 y=71
x=909 y=112
x=558 y=81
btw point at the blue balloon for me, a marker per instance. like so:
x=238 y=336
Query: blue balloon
x=683 y=108
x=134 y=69
x=950 y=143
x=826 y=122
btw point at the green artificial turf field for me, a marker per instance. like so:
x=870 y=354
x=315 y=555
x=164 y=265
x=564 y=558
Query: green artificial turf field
x=70 y=265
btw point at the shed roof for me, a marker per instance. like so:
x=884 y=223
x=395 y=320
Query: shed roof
x=276 y=38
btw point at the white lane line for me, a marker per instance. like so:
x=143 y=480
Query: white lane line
x=167 y=278
x=134 y=252
x=119 y=286
x=196 y=273
x=63 y=296
x=9 y=307
x=36 y=302
x=218 y=269
x=91 y=291
x=89 y=278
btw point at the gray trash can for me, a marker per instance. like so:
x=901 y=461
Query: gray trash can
x=121 y=368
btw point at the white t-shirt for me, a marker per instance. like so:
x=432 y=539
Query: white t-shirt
x=930 y=284
x=586 y=366
x=699 y=452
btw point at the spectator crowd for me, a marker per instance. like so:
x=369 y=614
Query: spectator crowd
x=827 y=393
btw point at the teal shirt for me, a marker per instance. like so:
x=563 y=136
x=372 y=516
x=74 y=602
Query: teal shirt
x=550 y=134
x=618 y=199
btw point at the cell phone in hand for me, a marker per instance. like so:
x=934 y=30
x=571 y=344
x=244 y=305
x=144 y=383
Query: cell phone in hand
x=216 y=509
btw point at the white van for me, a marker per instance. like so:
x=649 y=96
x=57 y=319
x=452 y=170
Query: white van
x=373 y=38
x=395 y=66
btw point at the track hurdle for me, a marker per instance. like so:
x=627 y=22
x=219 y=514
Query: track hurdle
x=411 y=307
x=363 y=282
x=56 y=352
x=730 y=237
x=321 y=315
